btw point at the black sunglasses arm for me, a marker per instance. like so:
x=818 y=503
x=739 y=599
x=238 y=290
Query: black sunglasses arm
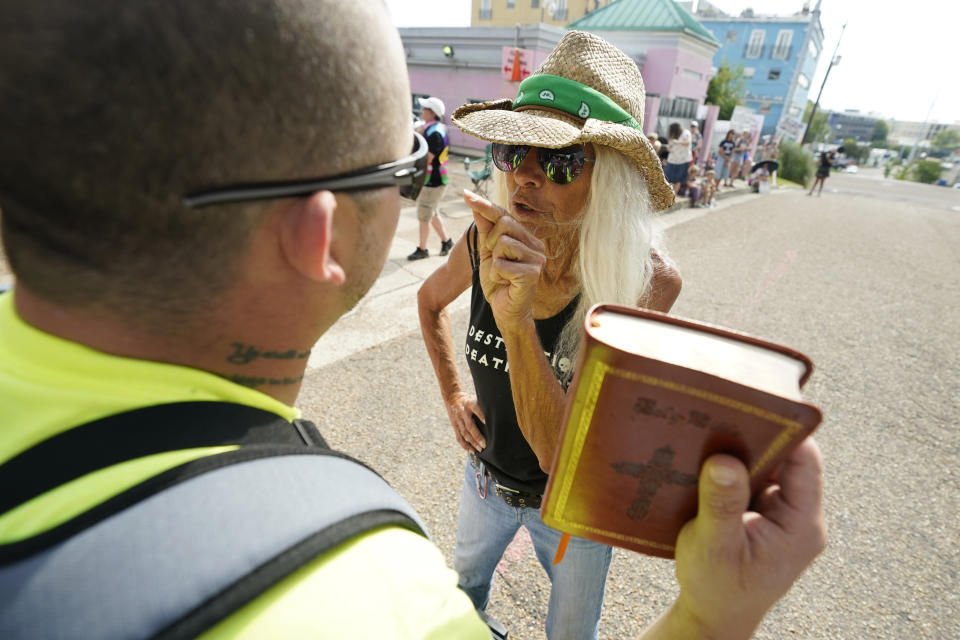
x=399 y=172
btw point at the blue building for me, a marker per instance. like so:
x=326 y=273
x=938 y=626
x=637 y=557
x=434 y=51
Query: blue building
x=779 y=55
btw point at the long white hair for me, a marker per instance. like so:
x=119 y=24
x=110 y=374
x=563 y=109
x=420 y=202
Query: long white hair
x=616 y=232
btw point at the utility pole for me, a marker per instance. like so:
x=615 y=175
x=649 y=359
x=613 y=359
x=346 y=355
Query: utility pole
x=923 y=131
x=835 y=60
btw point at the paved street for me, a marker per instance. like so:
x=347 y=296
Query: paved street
x=866 y=284
x=870 y=183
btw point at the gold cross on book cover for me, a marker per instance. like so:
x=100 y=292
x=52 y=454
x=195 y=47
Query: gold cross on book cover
x=654 y=396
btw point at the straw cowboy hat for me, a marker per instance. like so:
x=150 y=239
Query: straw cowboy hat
x=586 y=90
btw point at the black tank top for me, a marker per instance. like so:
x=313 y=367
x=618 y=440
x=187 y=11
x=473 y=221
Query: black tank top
x=507 y=455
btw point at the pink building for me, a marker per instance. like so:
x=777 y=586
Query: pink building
x=673 y=50
x=472 y=64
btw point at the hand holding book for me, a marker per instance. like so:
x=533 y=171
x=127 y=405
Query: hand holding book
x=734 y=564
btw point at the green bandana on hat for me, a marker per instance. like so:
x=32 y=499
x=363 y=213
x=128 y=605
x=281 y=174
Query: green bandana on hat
x=545 y=90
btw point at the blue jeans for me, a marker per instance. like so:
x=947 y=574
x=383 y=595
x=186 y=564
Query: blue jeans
x=722 y=169
x=487 y=526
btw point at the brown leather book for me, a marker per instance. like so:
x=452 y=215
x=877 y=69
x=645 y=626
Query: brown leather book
x=654 y=396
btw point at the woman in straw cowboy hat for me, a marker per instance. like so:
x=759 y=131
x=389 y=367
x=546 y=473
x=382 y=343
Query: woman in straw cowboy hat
x=577 y=183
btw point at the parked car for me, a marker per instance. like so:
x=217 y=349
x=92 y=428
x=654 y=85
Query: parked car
x=851 y=168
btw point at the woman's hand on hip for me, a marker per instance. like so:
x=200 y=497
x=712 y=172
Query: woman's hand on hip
x=461 y=408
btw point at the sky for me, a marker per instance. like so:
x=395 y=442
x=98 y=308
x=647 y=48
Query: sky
x=897 y=59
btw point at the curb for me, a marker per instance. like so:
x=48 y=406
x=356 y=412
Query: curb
x=683 y=203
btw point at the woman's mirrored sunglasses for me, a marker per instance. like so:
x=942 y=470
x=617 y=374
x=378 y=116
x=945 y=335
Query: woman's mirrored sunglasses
x=408 y=173
x=561 y=166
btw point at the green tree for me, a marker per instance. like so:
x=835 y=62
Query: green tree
x=946 y=140
x=796 y=163
x=880 y=131
x=927 y=171
x=818 y=130
x=855 y=151
x=727 y=89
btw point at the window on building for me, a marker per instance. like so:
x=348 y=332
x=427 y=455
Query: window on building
x=763 y=108
x=794 y=111
x=731 y=35
x=534 y=4
x=803 y=81
x=510 y=4
x=748 y=72
x=781 y=50
x=678 y=108
x=773 y=74
x=560 y=10
x=415 y=97
x=692 y=75
x=486 y=12
x=755 y=48
x=814 y=51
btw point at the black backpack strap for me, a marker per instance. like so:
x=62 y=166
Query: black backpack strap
x=183 y=559
x=16 y=551
x=142 y=432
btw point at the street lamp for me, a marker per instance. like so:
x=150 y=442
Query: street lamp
x=835 y=60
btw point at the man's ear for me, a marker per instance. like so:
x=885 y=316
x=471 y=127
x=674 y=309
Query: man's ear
x=306 y=237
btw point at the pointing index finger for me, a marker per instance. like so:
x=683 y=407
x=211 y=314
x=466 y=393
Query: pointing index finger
x=482 y=206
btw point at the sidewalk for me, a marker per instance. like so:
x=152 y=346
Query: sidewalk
x=389 y=310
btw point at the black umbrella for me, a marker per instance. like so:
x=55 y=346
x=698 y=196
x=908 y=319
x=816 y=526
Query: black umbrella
x=770 y=165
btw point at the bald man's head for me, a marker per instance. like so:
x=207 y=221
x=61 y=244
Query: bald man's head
x=114 y=110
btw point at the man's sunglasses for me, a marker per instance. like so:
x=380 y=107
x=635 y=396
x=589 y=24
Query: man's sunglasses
x=408 y=173
x=561 y=166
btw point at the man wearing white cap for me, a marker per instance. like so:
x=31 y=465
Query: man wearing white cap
x=428 y=204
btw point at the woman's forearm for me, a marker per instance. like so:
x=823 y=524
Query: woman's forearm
x=438 y=337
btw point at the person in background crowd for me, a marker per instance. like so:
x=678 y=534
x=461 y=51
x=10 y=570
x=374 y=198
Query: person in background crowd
x=428 y=204
x=771 y=152
x=679 y=156
x=691 y=188
x=709 y=197
x=745 y=163
x=662 y=151
x=725 y=152
x=736 y=158
x=823 y=172
x=655 y=143
x=696 y=147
